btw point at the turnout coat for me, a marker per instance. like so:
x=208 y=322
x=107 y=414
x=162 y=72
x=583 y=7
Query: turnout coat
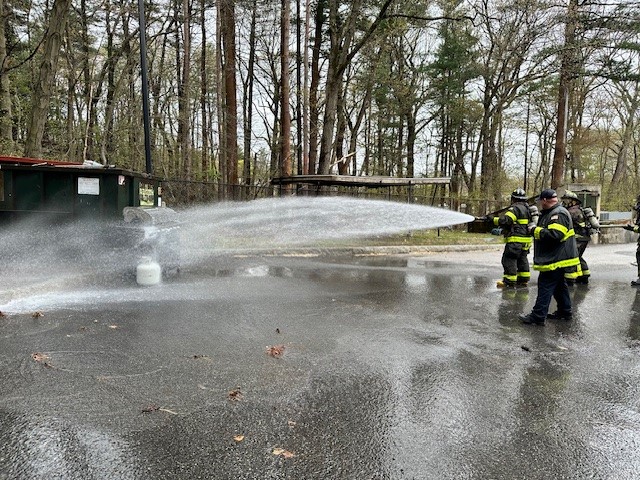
x=554 y=242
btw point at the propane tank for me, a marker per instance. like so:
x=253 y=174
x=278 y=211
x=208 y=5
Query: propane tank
x=591 y=218
x=535 y=214
x=148 y=272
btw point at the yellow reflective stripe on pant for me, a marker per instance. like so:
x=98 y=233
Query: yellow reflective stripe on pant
x=573 y=274
x=526 y=240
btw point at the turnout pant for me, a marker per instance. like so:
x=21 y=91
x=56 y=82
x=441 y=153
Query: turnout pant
x=551 y=284
x=515 y=263
x=582 y=246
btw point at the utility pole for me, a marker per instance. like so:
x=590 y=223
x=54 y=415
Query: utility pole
x=145 y=88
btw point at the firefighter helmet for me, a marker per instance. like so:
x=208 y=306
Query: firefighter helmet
x=571 y=197
x=519 y=194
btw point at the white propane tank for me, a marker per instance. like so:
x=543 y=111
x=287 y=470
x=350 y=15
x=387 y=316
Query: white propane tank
x=148 y=272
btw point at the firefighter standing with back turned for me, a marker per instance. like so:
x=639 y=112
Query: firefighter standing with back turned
x=584 y=223
x=514 y=224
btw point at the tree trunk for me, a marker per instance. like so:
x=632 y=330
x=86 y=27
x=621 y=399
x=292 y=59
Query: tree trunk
x=626 y=141
x=230 y=105
x=305 y=88
x=46 y=75
x=329 y=120
x=184 y=113
x=204 y=93
x=567 y=64
x=89 y=91
x=355 y=128
x=342 y=158
x=248 y=99
x=285 y=112
x=6 y=124
x=298 y=110
x=107 y=142
x=411 y=142
x=314 y=108
x=221 y=110
x=342 y=50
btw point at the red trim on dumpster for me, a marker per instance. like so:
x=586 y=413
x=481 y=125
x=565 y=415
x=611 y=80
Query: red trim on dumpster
x=36 y=161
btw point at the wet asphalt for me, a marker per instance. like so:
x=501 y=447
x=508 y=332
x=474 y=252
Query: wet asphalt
x=321 y=366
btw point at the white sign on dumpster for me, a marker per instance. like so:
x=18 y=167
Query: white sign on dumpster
x=88 y=186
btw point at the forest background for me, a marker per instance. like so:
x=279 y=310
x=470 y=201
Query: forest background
x=494 y=94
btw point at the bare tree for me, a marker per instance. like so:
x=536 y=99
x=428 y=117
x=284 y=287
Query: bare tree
x=345 y=41
x=184 y=84
x=248 y=95
x=567 y=75
x=506 y=52
x=285 y=112
x=46 y=74
x=6 y=130
x=229 y=154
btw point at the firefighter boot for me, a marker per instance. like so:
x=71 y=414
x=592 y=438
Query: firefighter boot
x=560 y=315
x=531 y=320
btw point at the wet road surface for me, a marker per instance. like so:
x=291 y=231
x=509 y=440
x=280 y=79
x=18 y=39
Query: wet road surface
x=390 y=367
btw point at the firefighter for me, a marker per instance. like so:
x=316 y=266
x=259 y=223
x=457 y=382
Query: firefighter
x=635 y=228
x=555 y=250
x=514 y=224
x=583 y=227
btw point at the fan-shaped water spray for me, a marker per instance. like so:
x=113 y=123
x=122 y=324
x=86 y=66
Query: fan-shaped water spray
x=305 y=221
x=38 y=260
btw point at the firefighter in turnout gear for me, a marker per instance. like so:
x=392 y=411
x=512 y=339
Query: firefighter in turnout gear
x=635 y=228
x=514 y=223
x=584 y=226
x=554 y=251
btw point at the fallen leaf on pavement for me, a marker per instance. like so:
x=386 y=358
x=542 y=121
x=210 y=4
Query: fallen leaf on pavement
x=238 y=438
x=281 y=452
x=235 y=395
x=276 y=351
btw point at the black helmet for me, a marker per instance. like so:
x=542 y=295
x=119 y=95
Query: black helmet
x=519 y=194
x=572 y=197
